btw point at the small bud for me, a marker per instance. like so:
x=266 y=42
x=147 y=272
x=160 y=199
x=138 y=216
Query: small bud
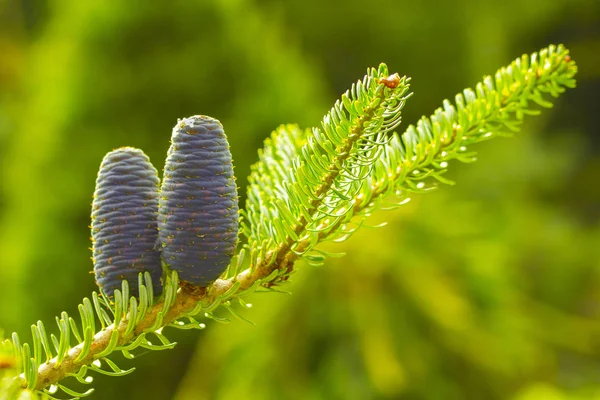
x=391 y=81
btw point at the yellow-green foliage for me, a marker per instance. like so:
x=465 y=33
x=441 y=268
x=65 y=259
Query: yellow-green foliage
x=484 y=290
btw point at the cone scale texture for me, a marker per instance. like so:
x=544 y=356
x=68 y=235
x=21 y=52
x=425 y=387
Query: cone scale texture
x=198 y=206
x=124 y=221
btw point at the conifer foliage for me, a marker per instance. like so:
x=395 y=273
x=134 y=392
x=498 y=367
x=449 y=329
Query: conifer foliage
x=308 y=186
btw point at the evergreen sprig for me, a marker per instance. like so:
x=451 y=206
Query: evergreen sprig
x=305 y=182
x=307 y=187
x=416 y=161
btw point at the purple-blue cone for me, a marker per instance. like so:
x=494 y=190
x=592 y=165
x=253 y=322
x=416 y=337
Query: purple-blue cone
x=124 y=221
x=198 y=206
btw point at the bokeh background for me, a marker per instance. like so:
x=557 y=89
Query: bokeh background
x=486 y=290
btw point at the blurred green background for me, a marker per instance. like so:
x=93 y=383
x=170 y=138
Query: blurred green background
x=486 y=290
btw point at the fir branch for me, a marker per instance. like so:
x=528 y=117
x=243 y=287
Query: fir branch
x=297 y=192
x=176 y=305
x=349 y=166
x=496 y=108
